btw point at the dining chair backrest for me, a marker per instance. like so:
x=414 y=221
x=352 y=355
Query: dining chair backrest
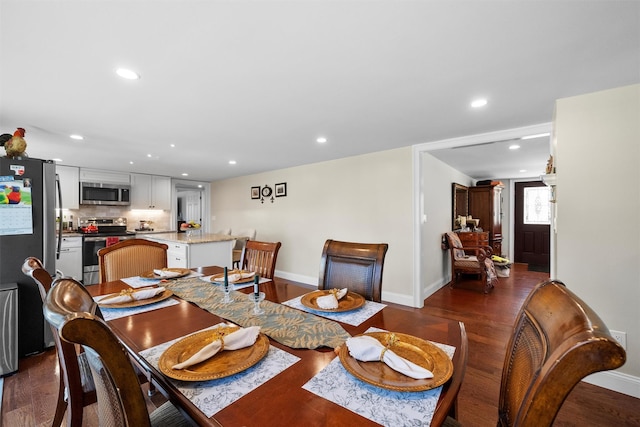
x=129 y=258
x=70 y=309
x=260 y=257
x=75 y=375
x=356 y=266
x=557 y=340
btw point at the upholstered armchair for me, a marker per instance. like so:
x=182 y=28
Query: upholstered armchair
x=471 y=260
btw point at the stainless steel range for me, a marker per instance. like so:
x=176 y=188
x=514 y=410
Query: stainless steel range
x=99 y=233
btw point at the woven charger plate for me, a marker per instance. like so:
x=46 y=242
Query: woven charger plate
x=416 y=350
x=222 y=364
x=349 y=302
x=219 y=278
x=152 y=275
x=159 y=297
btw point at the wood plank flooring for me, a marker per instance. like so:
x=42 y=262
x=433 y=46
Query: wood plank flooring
x=29 y=395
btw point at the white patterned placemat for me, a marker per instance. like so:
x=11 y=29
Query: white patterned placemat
x=353 y=317
x=116 y=313
x=139 y=282
x=215 y=395
x=387 y=407
x=235 y=286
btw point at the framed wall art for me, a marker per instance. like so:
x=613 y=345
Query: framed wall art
x=255 y=192
x=281 y=189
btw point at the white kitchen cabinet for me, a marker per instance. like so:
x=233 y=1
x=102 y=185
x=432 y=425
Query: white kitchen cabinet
x=198 y=251
x=177 y=255
x=150 y=192
x=103 y=176
x=70 y=186
x=70 y=261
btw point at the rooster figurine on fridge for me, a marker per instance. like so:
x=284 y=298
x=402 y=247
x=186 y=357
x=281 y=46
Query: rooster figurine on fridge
x=14 y=145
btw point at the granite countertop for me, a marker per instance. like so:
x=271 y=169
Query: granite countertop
x=196 y=237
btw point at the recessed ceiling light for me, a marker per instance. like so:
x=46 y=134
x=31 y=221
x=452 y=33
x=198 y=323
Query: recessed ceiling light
x=57 y=160
x=523 y=170
x=539 y=135
x=477 y=103
x=185 y=174
x=76 y=137
x=199 y=185
x=127 y=74
x=321 y=140
x=130 y=163
x=148 y=155
x=232 y=162
x=514 y=147
x=172 y=145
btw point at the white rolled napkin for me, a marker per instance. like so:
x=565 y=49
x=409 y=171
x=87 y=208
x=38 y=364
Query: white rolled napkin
x=236 y=276
x=166 y=273
x=369 y=349
x=330 y=301
x=129 y=295
x=243 y=337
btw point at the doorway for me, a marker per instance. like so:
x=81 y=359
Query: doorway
x=532 y=225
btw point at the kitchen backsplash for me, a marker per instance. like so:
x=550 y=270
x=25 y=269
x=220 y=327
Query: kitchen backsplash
x=157 y=219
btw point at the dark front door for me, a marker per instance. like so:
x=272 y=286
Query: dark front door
x=532 y=225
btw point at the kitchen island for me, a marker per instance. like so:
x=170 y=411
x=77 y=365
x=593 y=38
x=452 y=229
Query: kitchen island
x=196 y=249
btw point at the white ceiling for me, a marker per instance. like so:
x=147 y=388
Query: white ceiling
x=258 y=81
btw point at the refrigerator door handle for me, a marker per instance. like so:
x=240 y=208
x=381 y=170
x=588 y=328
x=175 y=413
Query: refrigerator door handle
x=59 y=191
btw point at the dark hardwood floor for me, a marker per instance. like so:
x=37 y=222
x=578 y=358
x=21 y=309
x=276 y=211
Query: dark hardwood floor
x=29 y=395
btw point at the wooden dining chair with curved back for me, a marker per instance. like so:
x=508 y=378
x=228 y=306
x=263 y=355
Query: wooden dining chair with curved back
x=356 y=266
x=557 y=340
x=77 y=388
x=129 y=258
x=70 y=309
x=260 y=257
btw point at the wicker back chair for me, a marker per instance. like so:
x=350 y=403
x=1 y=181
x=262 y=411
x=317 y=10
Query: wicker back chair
x=557 y=341
x=75 y=375
x=129 y=258
x=69 y=308
x=356 y=266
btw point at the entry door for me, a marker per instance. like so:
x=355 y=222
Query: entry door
x=532 y=225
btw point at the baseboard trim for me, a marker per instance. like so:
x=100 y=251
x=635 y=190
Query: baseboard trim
x=307 y=280
x=616 y=381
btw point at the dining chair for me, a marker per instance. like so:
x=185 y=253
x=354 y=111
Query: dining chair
x=356 y=266
x=70 y=309
x=241 y=241
x=76 y=389
x=129 y=258
x=462 y=262
x=260 y=257
x=557 y=340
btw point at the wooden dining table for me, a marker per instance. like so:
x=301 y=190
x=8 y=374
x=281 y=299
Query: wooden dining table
x=281 y=400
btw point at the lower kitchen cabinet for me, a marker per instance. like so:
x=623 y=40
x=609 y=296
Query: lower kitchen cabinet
x=198 y=251
x=70 y=260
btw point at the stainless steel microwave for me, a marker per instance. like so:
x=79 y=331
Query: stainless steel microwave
x=94 y=193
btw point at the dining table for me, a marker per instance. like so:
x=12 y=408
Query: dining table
x=285 y=398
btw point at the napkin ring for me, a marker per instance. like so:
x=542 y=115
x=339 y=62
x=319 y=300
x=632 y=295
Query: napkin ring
x=391 y=340
x=123 y=293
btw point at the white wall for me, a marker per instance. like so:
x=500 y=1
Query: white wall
x=363 y=199
x=437 y=178
x=598 y=238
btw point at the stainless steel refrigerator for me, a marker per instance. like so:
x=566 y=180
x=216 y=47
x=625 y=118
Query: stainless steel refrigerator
x=27 y=228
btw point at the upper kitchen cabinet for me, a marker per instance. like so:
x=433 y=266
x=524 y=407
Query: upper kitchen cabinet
x=69 y=177
x=102 y=176
x=150 y=192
